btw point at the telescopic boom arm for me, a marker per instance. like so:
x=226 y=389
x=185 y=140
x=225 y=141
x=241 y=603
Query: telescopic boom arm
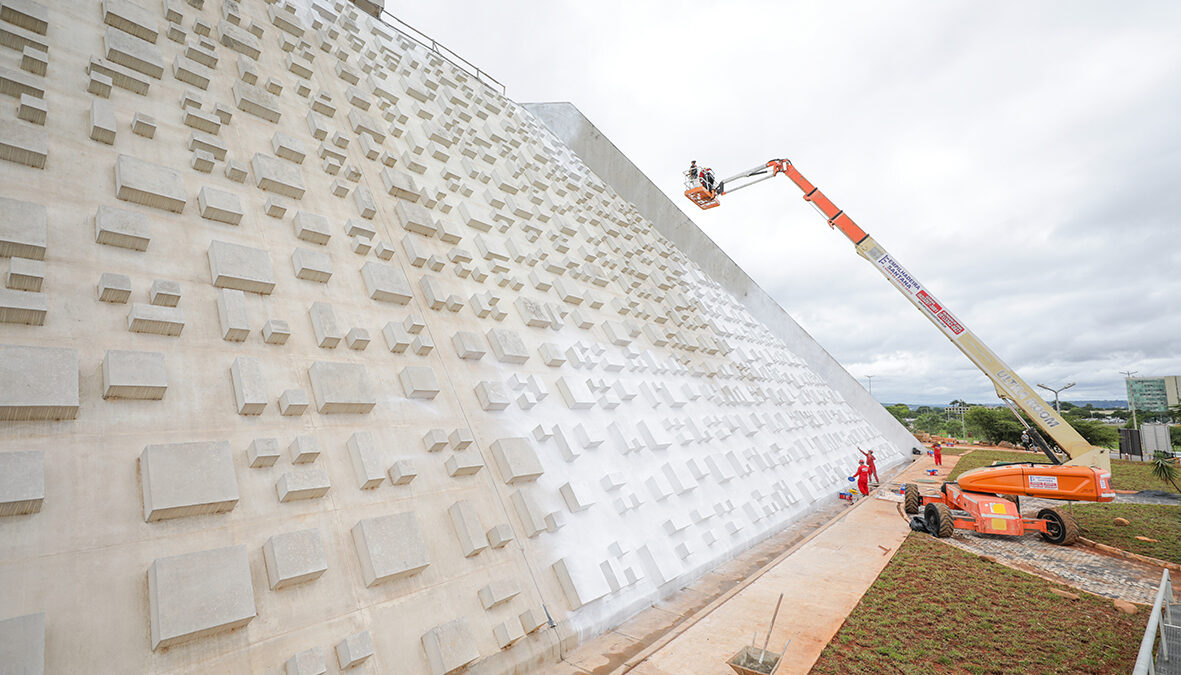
x=1009 y=386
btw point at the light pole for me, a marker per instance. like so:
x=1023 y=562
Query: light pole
x=1056 y=406
x=869 y=379
x=1131 y=399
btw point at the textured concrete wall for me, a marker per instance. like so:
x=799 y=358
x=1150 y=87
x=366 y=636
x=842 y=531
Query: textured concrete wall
x=316 y=353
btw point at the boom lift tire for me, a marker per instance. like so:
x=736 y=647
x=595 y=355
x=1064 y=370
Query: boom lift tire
x=1061 y=528
x=939 y=520
x=913 y=499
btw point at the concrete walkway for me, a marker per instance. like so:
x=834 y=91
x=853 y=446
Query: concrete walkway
x=822 y=580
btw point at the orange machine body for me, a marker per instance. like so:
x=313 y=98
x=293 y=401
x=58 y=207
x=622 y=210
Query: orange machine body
x=1047 y=481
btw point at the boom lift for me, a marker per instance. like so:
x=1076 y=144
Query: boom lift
x=1078 y=471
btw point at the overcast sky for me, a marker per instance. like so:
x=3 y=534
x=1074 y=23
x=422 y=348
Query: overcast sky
x=1023 y=160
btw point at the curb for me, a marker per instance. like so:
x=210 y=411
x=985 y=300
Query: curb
x=1129 y=555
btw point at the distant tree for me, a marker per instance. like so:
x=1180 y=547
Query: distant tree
x=1096 y=433
x=900 y=411
x=923 y=409
x=958 y=401
x=994 y=424
x=1175 y=413
x=1165 y=469
x=1066 y=406
x=932 y=423
x=1175 y=437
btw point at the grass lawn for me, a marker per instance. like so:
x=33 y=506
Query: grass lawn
x=1124 y=474
x=1155 y=521
x=937 y=609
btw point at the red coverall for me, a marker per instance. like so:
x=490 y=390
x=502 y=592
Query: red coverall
x=937 y=450
x=869 y=462
x=863 y=479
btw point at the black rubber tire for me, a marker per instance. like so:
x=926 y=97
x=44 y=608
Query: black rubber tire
x=939 y=520
x=1061 y=528
x=913 y=500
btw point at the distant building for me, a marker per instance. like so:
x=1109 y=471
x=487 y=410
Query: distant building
x=956 y=410
x=1154 y=394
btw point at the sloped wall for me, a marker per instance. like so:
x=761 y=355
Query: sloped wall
x=315 y=349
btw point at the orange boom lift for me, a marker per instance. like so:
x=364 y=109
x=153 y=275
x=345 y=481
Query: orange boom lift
x=985 y=499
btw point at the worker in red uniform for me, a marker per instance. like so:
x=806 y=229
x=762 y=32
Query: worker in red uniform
x=870 y=464
x=862 y=477
x=937 y=450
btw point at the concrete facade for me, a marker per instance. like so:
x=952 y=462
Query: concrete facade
x=318 y=354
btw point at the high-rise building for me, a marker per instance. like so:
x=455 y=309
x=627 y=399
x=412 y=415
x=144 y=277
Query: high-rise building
x=1154 y=394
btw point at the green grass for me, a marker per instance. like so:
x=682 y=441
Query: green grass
x=1155 y=521
x=1125 y=475
x=937 y=609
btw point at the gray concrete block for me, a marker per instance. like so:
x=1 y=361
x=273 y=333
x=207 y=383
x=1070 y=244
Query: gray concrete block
x=293 y=403
x=145 y=318
x=102 y=121
x=468 y=345
x=115 y=288
x=187 y=479
x=294 y=558
x=263 y=452
x=532 y=619
x=363 y=198
x=149 y=184
x=516 y=460
x=354 y=649
x=400 y=184
x=23 y=307
x=40 y=383
x=343 y=387
x=220 y=205
x=450 y=646
x=24 y=229
x=498 y=592
x=304 y=449
x=135 y=375
x=355 y=227
x=127 y=50
x=402 y=472
x=250 y=392
x=31 y=108
x=386 y=283
x=492 y=395
x=275 y=175
x=25 y=274
x=130 y=18
x=311 y=227
x=232 y=315
x=239 y=40
x=22 y=487
x=507 y=346
x=324 y=326
x=419 y=382
x=508 y=633
x=241 y=267
x=198 y=594
x=468 y=528
x=463 y=464
x=200 y=140
x=500 y=535
x=22 y=638
x=288 y=147
x=367 y=460
x=357 y=339
x=308 y=662
x=304 y=484
x=23 y=143
x=390 y=547
x=312 y=265
x=275 y=332
x=164 y=293
x=435 y=440
x=27 y=14
x=415 y=218
x=144 y=125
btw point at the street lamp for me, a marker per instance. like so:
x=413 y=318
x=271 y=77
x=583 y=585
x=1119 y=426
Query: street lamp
x=1131 y=397
x=1056 y=406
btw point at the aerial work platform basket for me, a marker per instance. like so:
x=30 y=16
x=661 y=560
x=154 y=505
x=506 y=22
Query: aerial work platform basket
x=697 y=193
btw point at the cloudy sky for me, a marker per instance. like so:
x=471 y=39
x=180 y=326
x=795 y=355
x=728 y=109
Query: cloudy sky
x=1023 y=160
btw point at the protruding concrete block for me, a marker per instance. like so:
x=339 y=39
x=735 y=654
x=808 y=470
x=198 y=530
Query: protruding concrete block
x=500 y=535
x=386 y=283
x=22 y=489
x=250 y=392
x=577 y=495
x=304 y=449
x=102 y=121
x=367 y=460
x=241 y=267
x=24 y=229
x=198 y=594
x=23 y=307
x=138 y=375
x=450 y=646
x=419 y=382
x=164 y=293
x=220 y=205
x=581 y=580
x=232 y=315
x=390 y=547
x=356 y=648
x=294 y=558
x=324 y=327
x=126 y=50
x=275 y=175
x=288 y=147
x=23 y=143
x=187 y=479
x=532 y=619
x=516 y=460
x=507 y=346
x=498 y=592
x=263 y=452
x=114 y=288
x=308 y=662
x=575 y=393
x=144 y=125
x=463 y=464
x=312 y=265
x=492 y=395
x=312 y=227
x=422 y=344
x=275 y=332
x=22 y=638
x=345 y=387
x=149 y=184
x=25 y=275
x=293 y=402
x=468 y=528
x=31 y=108
x=256 y=101
x=402 y=472
x=303 y=484
x=415 y=218
x=40 y=383
x=145 y=318
x=357 y=339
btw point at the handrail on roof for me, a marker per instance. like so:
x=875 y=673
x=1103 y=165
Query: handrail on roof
x=443 y=51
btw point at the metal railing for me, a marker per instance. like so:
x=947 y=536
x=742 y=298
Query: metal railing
x=1157 y=620
x=451 y=57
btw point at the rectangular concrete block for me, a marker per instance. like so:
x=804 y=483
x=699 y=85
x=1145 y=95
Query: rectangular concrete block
x=276 y=332
x=294 y=558
x=241 y=267
x=275 y=175
x=312 y=265
x=149 y=184
x=23 y=307
x=24 y=229
x=115 y=288
x=187 y=479
x=498 y=592
x=232 y=315
x=367 y=459
x=102 y=121
x=164 y=293
x=419 y=382
x=507 y=346
x=463 y=464
x=22 y=638
x=415 y=218
x=239 y=40
x=386 y=283
x=356 y=648
x=128 y=50
x=40 y=383
x=575 y=393
x=22 y=487
x=343 y=388
x=311 y=227
x=220 y=205
x=134 y=375
x=307 y=483
x=304 y=449
x=465 y=518
x=256 y=101
x=250 y=392
x=130 y=18
x=308 y=662
x=402 y=472
x=516 y=460
x=287 y=147
x=262 y=452
x=324 y=327
x=25 y=274
x=145 y=318
x=198 y=594
x=450 y=646
x=390 y=547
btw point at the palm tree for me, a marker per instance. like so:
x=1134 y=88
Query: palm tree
x=1164 y=469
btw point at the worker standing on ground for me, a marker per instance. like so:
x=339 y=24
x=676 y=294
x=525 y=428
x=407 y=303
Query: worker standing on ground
x=871 y=464
x=937 y=450
x=862 y=477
